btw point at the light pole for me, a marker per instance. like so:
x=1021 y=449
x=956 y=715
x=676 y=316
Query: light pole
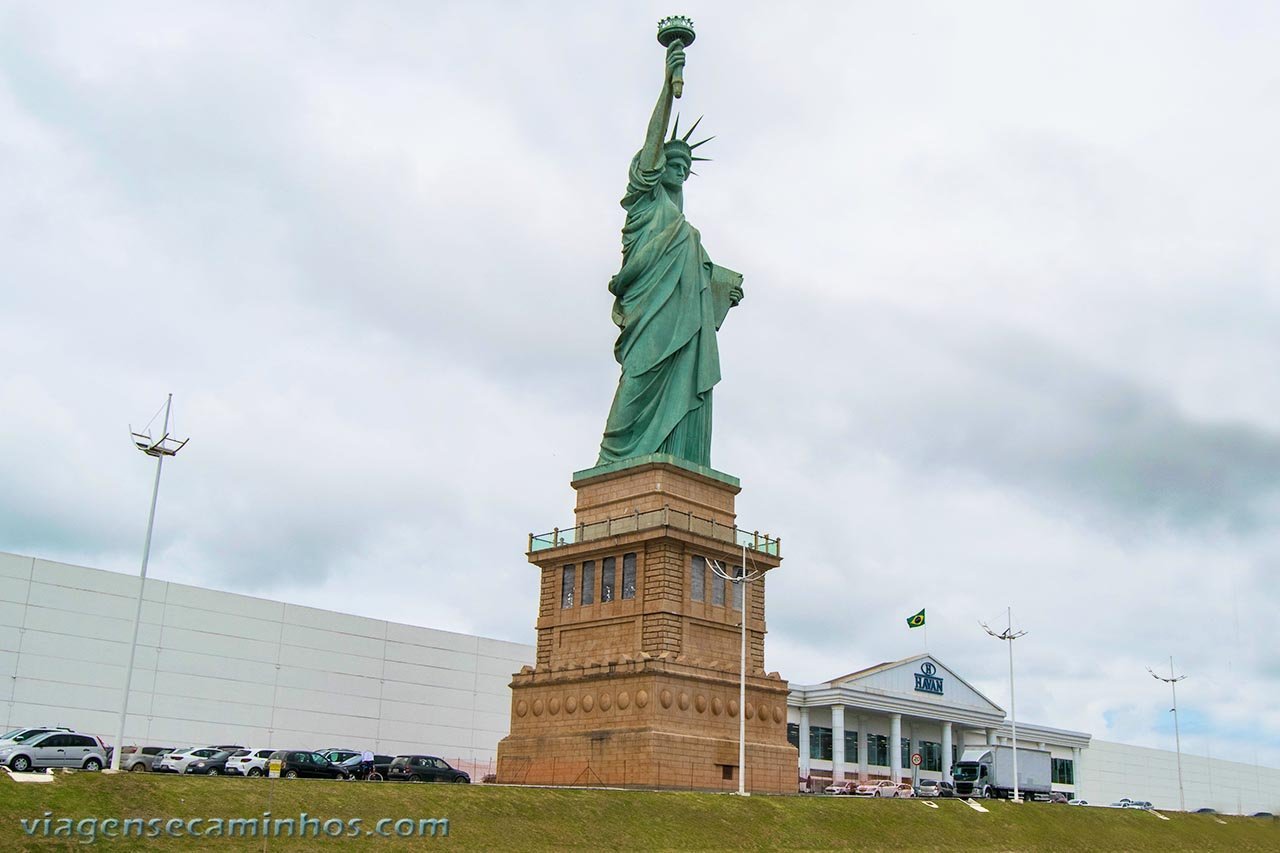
x=159 y=448
x=1009 y=635
x=741 y=578
x=1172 y=681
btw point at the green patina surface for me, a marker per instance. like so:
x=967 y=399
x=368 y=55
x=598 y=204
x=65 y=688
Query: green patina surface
x=669 y=302
x=651 y=458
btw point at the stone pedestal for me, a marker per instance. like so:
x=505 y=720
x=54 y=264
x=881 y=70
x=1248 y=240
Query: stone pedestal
x=636 y=684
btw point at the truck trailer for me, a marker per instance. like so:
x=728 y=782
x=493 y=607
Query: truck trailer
x=987 y=772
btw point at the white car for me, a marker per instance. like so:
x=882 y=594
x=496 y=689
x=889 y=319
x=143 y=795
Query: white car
x=248 y=762
x=23 y=735
x=178 y=760
x=877 y=788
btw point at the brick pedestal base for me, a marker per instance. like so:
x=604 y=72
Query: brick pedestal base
x=637 y=675
x=651 y=723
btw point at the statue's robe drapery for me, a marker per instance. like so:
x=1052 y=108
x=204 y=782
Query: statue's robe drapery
x=663 y=304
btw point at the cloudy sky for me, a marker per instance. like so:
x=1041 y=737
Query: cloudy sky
x=1009 y=336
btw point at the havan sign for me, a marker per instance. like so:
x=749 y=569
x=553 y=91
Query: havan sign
x=927 y=681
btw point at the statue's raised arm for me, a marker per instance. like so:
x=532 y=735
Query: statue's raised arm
x=657 y=131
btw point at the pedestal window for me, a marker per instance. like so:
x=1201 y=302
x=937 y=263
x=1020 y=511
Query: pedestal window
x=607 y=568
x=588 y=582
x=698 y=579
x=628 y=575
x=566 y=587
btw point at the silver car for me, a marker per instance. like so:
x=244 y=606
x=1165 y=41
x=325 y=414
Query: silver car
x=55 y=749
x=141 y=760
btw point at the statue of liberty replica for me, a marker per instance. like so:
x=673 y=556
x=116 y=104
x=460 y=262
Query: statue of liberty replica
x=669 y=298
x=650 y=669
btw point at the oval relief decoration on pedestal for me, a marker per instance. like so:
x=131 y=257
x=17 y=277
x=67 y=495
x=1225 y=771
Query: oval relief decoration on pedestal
x=717 y=706
x=733 y=707
x=642 y=698
x=700 y=703
x=570 y=704
x=522 y=708
x=588 y=702
x=665 y=698
x=537 y=707
x=751 y=711
x=624 y=700
x=777 y=713
x=553 y=705
x=605 y=701
x=684 y=701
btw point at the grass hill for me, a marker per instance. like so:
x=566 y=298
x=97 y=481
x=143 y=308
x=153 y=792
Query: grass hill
x=507 y=818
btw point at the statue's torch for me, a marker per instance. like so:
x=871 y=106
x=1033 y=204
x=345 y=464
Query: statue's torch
x=678 y=30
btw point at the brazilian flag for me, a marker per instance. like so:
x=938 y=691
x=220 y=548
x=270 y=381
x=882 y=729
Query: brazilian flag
x=916 y=621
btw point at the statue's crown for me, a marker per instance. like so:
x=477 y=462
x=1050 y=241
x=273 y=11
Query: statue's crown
x=681 y=143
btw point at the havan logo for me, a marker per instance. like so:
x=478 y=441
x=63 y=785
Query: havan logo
x=926 y=679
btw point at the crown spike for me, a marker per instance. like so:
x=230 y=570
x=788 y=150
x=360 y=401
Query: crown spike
x=691 y=130
x=703 y=142
x=701 y=159
x=675 y=128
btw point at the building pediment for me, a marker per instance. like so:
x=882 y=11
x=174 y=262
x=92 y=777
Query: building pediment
x=918 y=679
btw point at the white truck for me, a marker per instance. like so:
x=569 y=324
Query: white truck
x=987 y=772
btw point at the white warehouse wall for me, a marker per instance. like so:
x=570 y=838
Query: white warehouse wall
x=1116 y=770
x=215 y=667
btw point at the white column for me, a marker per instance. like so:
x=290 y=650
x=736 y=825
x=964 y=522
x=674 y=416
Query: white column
x=804 y=742
x=991 y=737
x=1077 y=754
x=895 y=747
x=946 y=751
x=837 y=744
x=862 y=748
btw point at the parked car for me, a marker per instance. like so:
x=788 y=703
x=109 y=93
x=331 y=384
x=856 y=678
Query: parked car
x=55 y=749
x=1077 y=802
x=140 y=760
x=1057 y=797
x=1262 y=814
x=1205 y=811
x=876 y=788
x=929 y=788
x=304 y=764
x=337 y=755
x=904 y=790
x=424 y=768
x=1126 y=803
x=840 y=788
x=22 y=735
x=248 y=762
x=381 y=765
x=214 y=765
x=178 y=760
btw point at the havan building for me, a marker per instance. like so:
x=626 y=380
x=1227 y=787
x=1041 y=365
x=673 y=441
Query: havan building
x=867 y=725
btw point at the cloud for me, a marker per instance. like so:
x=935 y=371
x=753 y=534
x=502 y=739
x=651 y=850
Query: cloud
x=1008 y=337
